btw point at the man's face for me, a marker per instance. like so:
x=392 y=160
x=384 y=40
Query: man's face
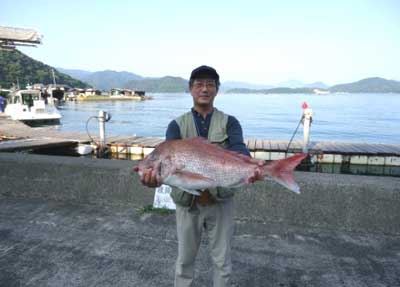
x=204 y=91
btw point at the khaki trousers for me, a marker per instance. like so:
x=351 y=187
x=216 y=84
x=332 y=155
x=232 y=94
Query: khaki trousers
x=218 y=221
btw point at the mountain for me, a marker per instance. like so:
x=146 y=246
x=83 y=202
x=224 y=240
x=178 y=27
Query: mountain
x=369 y=85
x=272 y=91
x=298 y=84
x=317 y=85
x=166 y=84
x=16 y=66
x=75 y=73
x=229 y=85
x=103 y=80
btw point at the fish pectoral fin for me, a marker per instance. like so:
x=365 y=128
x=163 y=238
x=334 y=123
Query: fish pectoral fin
x=187 y=180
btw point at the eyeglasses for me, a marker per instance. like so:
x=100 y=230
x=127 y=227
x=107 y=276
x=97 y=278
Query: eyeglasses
x=209 y=84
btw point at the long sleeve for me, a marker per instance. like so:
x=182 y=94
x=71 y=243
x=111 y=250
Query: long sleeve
x=173 y=131
x=235 y=136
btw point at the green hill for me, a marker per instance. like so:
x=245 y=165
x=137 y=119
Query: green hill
x=16 y=65
x=106 y=80
x=166 y=84
x=369 y=85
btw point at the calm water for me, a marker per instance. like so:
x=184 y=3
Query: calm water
x=371 y=118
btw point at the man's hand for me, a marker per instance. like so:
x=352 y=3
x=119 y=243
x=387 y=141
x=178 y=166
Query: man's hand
x=257 y=171
x=151 y=177
x=256 y=176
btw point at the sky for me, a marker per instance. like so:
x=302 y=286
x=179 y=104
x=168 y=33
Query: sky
x=263 y=42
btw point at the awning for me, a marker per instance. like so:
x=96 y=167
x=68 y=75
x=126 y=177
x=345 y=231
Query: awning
x=11 y=37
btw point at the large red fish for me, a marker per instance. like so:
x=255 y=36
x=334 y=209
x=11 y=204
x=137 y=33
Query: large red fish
x=195 y=164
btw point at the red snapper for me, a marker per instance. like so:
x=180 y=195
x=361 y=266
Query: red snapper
x=195 y=164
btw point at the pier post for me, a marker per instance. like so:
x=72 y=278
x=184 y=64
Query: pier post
x=307 y=119
x=102 y=126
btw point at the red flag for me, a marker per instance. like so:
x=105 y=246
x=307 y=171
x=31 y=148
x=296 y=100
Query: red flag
x=304 y=106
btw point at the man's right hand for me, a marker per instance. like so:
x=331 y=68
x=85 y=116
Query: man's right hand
x=151 y=177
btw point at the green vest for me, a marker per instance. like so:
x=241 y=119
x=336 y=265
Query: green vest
x=217 y=134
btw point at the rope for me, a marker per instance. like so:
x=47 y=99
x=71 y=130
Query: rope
x=87 y=130
x=301 y=119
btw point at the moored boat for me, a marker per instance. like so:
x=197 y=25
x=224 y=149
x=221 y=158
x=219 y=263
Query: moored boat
x=30 y=107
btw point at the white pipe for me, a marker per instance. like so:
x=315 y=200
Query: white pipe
x=307 y=116
x=102 y=126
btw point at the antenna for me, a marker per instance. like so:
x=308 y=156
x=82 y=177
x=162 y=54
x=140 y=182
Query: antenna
x=54 y=78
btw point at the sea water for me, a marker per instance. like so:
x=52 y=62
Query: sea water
x=366 y=118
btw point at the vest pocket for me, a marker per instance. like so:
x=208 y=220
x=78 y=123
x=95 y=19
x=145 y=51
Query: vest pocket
x=221 y=193
x=181 y=197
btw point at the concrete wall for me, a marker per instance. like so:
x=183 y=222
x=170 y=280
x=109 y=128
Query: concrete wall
x=333 y=201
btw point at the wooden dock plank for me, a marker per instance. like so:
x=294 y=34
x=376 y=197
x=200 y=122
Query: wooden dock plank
x=381 y=149
x=295 y=146
x=259 y=145
x=266 y=144
x=365 y=148
x=132 y=140
x=327 y=147
x=149 y=141
x=275 y=145
x=298 y=145
x=117 y=139
x=395 y=149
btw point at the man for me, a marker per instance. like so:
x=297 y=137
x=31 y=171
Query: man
x=212 y=211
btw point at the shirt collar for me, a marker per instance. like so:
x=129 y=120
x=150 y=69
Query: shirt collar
x=199 y=115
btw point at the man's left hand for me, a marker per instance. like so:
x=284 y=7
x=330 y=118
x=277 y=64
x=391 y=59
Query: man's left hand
x=257 y=171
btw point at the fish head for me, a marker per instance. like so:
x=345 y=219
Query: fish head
x=151 y=161
x=160 y=155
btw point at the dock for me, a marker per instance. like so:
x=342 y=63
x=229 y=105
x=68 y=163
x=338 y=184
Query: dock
x=16 y=136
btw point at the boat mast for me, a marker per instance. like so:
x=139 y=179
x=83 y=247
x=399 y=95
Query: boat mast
x=54 y=78
x=54 y=87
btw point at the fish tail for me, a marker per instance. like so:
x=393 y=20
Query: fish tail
x=281 y=171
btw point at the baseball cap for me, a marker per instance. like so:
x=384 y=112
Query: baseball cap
x=204 y=72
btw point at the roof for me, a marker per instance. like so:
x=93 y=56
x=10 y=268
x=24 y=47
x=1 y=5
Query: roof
x=11 y=37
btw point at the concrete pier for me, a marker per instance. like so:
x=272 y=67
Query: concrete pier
x=334 y=201
x=77 y=222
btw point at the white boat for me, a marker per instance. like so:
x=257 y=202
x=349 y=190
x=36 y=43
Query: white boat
x=321 y=92
x=30 y=107
x=84 y=149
